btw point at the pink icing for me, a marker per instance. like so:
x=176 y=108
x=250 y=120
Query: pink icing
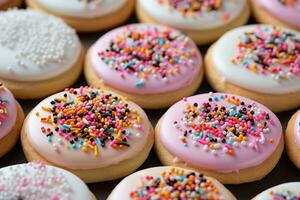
x=9 y=120
x=287 y=13
x=197 y=156
x=153 y=84
x=297 y=130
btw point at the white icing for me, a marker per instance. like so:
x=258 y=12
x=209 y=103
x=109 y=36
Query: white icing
x=35 y=181
x=283 y=188
x=132 y=182
x=77 y=159
x=82 y=9
x=225 y=50
x=35 y=46
x=163 y=14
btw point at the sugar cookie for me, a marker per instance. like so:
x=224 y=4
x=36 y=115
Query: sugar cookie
x=228 y=137
x=169 y=183
x=36 y=181
x=204 y=21
x=260 y=62
x=278 y=12
x=11 y=120
x=87 y=15
x=95 y=134
x=152 y=65
x=39 y=54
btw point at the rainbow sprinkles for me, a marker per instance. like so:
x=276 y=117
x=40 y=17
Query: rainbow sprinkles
x=270 y=50
x=89 y=119
x=224 y=123
x=3 y=106
x=148 y=51
x=176 y=184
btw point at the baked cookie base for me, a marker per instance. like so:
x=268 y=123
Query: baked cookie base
x=108 y=173
x=275 y=102
x=264 y=17
x=11 y=4
x=200 y=37
x=242 y=176
x=9 y=141
x=91 y=24
x=292 y=150
x=151 y=101
x=43 y=88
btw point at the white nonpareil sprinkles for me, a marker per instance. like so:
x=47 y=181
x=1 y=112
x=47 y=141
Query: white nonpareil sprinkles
x=34 y=181
x=35 y=37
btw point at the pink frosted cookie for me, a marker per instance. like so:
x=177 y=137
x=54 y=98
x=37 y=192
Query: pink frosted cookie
x=261 y=62
x=152 y=65
x=231 y=138
x=11 y=120
x=286 y=191
x=36 y=181
x=95 y=134
x=292 y=139
x=204 y=21
x=169 y=183
x=279 y=12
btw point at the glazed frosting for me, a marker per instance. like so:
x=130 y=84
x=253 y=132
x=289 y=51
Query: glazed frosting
x=297 y=130
x=268 y=54
x=35 y=181
x=226 y=132
x=8 y=111
x=146 y=59
x=286 y=191
x=169 y=183
x=87 y=128
x=193 y=15
x=35 y=46
x=285 y=10
x=82 y=8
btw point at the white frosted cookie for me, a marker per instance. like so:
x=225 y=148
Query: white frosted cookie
x=37 y=51
x=204 y=21
x=36 y=181
x=87 y=15
x=288 y=191
x=169 y=183
x=260 y=62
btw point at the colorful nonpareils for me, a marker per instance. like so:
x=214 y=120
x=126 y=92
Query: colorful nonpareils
x=193 y=8
x=3 y=106
x=222 y=128
x=176 y=184
x=148 y=52
x=90 y=119
x=287 y=195
x=270 y=50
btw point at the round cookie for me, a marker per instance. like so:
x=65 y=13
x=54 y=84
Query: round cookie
x=260 y=62
x=11 y=120
x=39 y=54
x=169 y=183
x=292 y=139
x=35 y=180
x=228 y=137
x=203 y=21
x=93 y=133
x=278 y=12
x=288 y=191
x=152 y=65
x=87 y=15
x=5 y=4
